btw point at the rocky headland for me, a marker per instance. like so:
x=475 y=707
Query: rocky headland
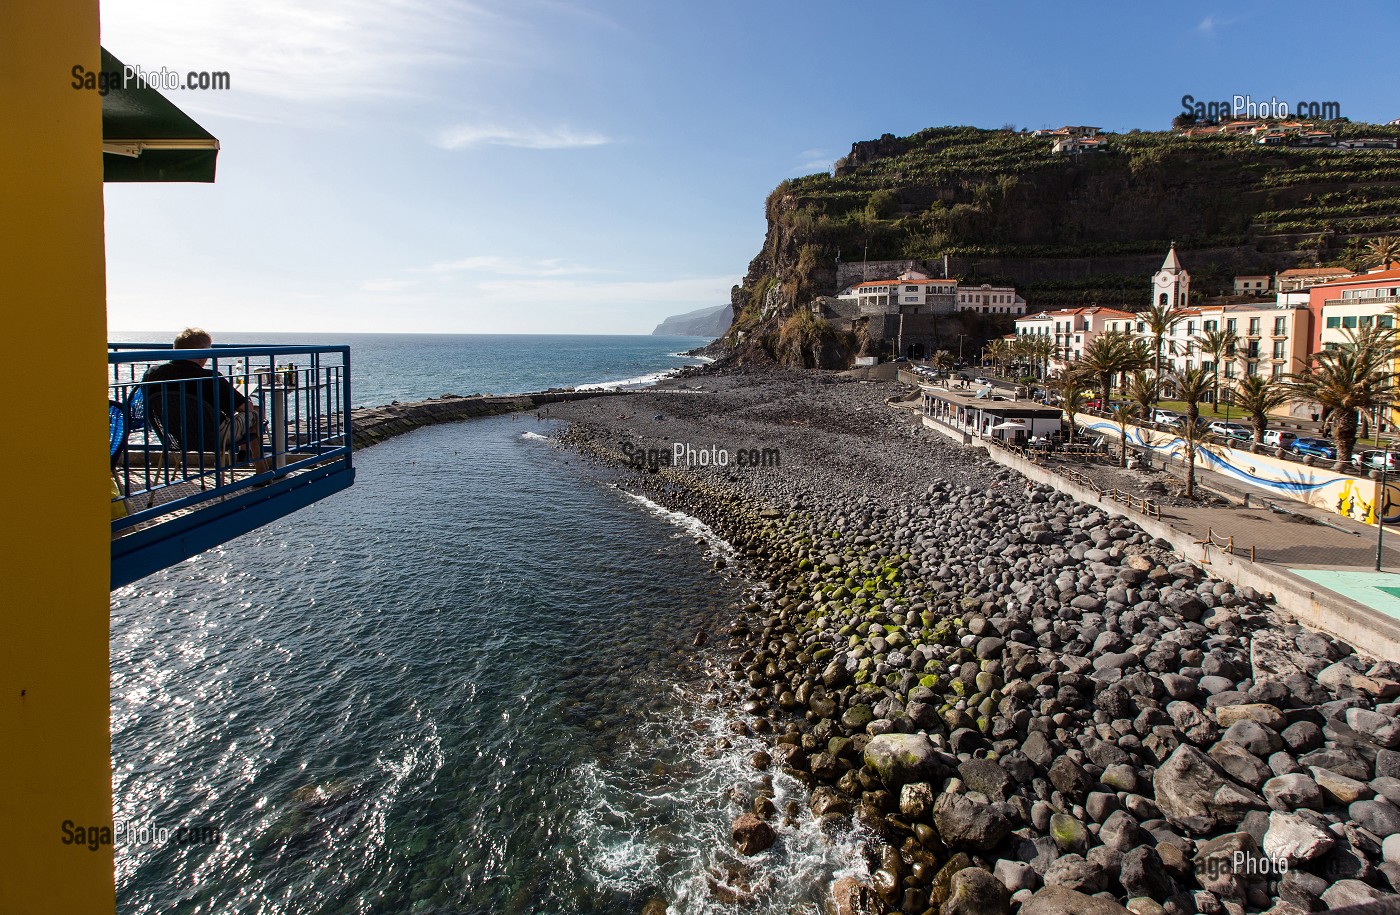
x=1021 y=703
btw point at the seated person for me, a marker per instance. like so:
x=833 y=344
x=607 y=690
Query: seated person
x=198 y=408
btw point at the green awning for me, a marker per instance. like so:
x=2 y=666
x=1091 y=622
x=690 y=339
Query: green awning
x=146 y=138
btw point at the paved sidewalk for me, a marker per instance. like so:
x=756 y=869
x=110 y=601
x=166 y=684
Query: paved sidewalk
x=1326 y=549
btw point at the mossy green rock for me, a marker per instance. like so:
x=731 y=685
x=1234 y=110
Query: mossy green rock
x=902 y=759
x=1069 y=834
x=857 y=717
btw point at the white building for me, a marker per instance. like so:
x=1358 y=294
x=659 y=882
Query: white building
x=990 y=300
x=912 y=293
x=1172 y=284
x=1253 y=285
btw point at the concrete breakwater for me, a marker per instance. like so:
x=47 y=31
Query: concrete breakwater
x=1023 y=703
x=373 y=425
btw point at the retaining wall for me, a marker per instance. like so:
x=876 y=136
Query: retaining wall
x=1371 y=632
x=373 y=425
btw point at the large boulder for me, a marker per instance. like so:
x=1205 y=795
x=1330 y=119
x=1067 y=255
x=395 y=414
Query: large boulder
x=965 y=823
x=1195 y=794
x=751 y=835
x=851 y=897
x=1295 y=839
x=976 y=892
x=900 y=759
x=1058 y=900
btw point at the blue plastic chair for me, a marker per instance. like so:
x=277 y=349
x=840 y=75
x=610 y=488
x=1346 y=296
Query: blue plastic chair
x=116 y=429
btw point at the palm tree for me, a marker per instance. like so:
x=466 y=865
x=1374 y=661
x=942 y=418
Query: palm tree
x=1107 y=355
x=1142 y=392
x=1160 y=318
x=1219 y=345
x=1384 y=249
x=942 y=359
x=1257 y=397
x=1072 y=403
x=999 y=351
x=1122 y=415
x=1191 y=386
x=1354 y=377
x=1037 y=350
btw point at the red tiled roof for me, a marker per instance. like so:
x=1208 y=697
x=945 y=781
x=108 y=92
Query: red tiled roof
x=1380 y=276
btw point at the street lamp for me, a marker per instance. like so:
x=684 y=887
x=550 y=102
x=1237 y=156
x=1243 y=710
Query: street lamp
x=961 y=338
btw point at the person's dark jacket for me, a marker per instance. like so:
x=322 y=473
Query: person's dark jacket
x=177 y=390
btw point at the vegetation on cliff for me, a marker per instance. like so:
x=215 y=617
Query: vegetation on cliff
x=1066 y=230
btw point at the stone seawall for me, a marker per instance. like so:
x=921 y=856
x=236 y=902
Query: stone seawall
x=373 y=425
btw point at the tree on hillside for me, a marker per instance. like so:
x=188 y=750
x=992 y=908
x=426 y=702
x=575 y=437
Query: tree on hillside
x=1354 y=378
x=1384 y=249
x=1257 y=397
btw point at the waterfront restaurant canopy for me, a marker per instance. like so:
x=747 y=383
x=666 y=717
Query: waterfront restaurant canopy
x=146 y=138
x=967 y=416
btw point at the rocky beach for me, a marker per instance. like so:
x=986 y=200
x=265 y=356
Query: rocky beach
x=1014 y=702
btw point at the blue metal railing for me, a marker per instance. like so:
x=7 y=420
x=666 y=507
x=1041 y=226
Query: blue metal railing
x=195 y=447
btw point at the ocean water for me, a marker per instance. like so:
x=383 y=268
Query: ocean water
x=466 y=685
x=405 y=367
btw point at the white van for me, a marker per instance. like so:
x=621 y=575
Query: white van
x=1277 y=438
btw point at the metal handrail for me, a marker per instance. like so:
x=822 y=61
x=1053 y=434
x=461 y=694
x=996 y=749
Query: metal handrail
x=306 y=409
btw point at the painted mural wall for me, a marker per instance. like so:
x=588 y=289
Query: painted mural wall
x=1320 y=486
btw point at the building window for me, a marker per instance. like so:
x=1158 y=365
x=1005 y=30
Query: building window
x=1254 y=327
x=1280 y=326
x=1334 y=321
x=1277 y=371
x=1280 y=349
x=1365 y=321
x=1349 y=322
x=1229 y=370
x=1211 y=325
x=1230 y=325
x=1385 y=321
x=1251 y=368
x=1190 y=329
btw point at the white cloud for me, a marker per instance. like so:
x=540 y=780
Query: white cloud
x=314 y=51
x=813 y=160
x=387 y=285
x=467 y=136
x=511 y=266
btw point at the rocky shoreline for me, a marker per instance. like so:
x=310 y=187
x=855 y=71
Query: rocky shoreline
x=1023 y=704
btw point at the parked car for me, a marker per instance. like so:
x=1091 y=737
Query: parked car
x=1095 y=404
x=1277 y=438
x=1167 y=417
x=1375 y=460
x=980 y=379
x=1231 y=430
x=1313 y=446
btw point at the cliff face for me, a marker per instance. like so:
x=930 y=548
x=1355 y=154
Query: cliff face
x=703 y=322
x=1065 y=230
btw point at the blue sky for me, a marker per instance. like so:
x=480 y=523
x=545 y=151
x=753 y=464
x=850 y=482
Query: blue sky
x=546 y=166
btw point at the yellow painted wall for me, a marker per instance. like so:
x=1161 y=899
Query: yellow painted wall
x=55 y=750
